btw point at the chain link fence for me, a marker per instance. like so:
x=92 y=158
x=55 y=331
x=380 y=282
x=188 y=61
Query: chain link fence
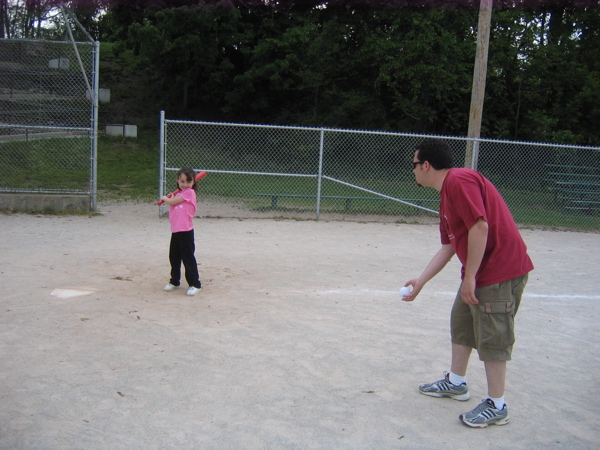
x=313 y=172
x=48 y=117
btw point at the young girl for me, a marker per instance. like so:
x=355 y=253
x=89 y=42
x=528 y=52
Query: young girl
x=181 y=213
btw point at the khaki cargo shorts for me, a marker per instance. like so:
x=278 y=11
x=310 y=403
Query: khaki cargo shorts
x=489 y=326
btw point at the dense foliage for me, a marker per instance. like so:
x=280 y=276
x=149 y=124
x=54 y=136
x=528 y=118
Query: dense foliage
x=387 y=65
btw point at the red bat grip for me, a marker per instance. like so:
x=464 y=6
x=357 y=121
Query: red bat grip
x=177 y=191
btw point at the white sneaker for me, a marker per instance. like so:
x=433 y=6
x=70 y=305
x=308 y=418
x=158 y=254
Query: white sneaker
x=169 y=287
x=193 y=290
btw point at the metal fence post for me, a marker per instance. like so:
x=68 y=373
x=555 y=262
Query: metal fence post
x=94 y=127
x=320 y=174
x=475 y=154
x=162 y=160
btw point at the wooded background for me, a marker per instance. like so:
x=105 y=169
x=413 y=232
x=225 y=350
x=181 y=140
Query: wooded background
x=381 y=65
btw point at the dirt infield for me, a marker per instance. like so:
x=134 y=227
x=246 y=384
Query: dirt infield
x=298 y=339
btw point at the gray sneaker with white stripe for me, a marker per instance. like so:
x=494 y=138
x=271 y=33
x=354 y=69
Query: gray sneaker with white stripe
x=485 y=414
x=443 y=388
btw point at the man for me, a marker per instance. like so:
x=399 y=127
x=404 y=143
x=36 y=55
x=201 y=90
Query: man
x=477 y=226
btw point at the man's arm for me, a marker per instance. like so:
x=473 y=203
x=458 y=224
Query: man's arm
x=437 y=263
x=477 y=242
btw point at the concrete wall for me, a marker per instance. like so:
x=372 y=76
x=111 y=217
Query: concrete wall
x=45 y=203
x=122 y=130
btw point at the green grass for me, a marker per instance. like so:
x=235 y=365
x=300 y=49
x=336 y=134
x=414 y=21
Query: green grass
x=128 y=167
x=59 y=163
x=541 y=209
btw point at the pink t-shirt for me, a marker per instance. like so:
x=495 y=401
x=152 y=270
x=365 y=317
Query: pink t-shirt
x=181 y=215
x=465 y=197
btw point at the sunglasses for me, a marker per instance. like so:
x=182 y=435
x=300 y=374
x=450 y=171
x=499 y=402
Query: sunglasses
x=414 y=164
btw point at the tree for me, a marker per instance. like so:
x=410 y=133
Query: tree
x=42 y=19
x=393 y=65
x=24 y=19
x=189 y=48
x=544 y=75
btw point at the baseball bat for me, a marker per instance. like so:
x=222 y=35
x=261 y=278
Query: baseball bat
x=176 y=191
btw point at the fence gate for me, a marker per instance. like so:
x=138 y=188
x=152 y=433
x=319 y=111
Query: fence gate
x=48 y=116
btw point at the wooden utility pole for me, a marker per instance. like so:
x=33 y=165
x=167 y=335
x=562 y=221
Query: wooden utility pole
x=479 y=75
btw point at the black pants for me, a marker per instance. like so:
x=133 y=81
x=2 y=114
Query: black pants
x=182 y=249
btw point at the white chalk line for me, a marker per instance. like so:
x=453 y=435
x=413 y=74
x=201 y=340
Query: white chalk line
x=381 y=293
x=534 y=295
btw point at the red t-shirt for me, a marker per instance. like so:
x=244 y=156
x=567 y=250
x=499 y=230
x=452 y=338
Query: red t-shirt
x=465 y=197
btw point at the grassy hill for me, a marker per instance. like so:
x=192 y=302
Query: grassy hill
x=128 y=167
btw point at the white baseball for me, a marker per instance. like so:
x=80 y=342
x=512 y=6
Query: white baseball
x=405 y=291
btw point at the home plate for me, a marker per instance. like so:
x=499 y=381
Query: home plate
x=68 y=293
